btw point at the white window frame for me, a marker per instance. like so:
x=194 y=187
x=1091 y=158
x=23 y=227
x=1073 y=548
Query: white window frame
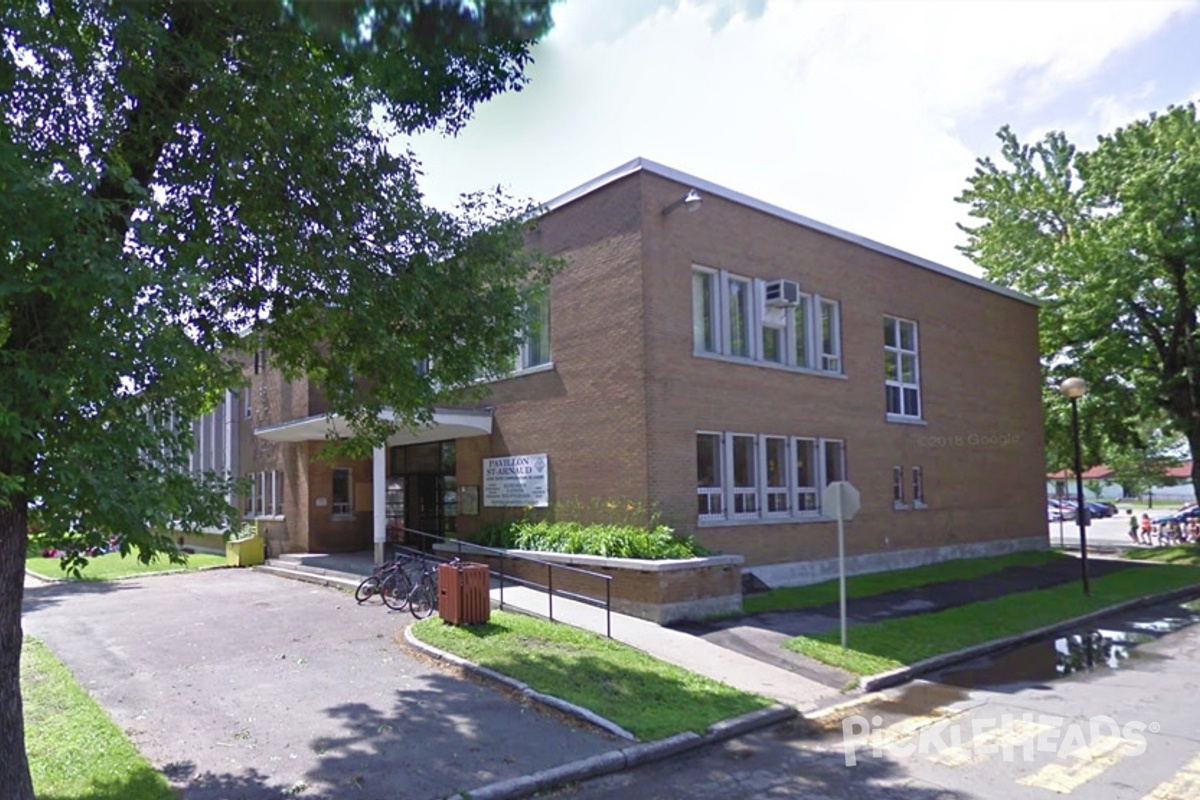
x=895 y=354
x=831 y=348
x=918 y=487
x=713 y=332
x=716 y=491
x=538 y=329
x=898 y=489
x=735 y=503
x=745 y=497
x=341 y=508
x=780 y=494
x=752 y=320
x=804 y=353
x=816 y=353
x=826 y=446
x=806 y=499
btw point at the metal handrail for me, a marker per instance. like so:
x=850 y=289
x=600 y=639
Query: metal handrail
x=502 y=555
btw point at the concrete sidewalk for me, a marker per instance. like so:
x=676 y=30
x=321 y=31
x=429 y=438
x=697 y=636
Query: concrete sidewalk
x=682 y=649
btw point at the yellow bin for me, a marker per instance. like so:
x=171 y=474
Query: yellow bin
x=244 y=552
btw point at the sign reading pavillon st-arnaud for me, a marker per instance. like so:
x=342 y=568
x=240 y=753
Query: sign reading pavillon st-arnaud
x=517 y=481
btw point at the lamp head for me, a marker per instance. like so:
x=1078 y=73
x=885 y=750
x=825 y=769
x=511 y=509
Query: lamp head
x=1073 y=388
x=691 y=201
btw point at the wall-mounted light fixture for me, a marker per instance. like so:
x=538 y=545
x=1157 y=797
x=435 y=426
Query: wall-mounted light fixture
x=691 y=201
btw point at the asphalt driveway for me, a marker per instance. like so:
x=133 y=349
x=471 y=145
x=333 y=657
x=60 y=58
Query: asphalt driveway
x=238 y=685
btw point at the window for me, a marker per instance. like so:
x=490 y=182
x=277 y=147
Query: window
x=342 y=501
x=708 y=476
x=802 y=316
x=831 y=336
x=918 y=488
x=739 y=317
x=264 y=497
x=835 y=461
x=730 y=317
x=901 y=368
x=807 y=497
x=775 y=474
x=743 y=476
x=535 y=349
x=704 y=310
x=898 y=487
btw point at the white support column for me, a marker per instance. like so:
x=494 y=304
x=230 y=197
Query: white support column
x=378 y=499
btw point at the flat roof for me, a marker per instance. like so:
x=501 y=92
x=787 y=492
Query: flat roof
x=646 y=165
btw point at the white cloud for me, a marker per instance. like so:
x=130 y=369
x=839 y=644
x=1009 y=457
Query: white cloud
x=864 y=115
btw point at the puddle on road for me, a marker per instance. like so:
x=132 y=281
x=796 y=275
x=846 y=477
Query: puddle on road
x=1077 y=653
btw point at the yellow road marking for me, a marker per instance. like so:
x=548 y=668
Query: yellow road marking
x=993 y=740
x=908 y=728
x=1185 y=785
x=1088 y=762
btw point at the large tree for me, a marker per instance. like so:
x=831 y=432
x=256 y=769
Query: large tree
x=183 y=180
x=1109 y=240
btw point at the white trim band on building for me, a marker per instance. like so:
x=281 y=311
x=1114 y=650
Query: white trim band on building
x=446 y=424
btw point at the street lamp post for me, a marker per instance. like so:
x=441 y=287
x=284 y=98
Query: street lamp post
x=1073 y=389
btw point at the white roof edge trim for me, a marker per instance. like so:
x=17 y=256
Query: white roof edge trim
x=639 y=164
x=316 y=427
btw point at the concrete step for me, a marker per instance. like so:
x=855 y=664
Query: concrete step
x=311 y=575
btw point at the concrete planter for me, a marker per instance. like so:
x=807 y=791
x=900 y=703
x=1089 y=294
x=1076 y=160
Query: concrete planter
x=660 y=591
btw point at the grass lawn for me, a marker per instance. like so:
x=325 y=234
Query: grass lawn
x=1185 y=554
x=647 y=697
x=819 y=594
x=880 y=646
x=111 y=566
x=75 y=751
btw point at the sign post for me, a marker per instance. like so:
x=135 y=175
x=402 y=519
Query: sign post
x=842 y=500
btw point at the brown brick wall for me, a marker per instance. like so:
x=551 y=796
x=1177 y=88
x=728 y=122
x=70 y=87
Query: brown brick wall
x=589 y=412
x=981 y=449
x=619 y=417
x=619 y=411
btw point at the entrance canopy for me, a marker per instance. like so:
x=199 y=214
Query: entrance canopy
x=447 y=423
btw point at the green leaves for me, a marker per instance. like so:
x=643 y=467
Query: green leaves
x=1108 y=240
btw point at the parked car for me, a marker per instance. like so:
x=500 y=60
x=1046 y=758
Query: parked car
x=1059 y=511
x=1099 y=510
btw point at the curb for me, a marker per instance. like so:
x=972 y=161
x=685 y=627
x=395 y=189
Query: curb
x=895 y=677
x=603 y=763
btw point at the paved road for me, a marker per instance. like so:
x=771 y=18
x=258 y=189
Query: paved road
x=1127 y=733
x=1106 y=532
x=240 y=685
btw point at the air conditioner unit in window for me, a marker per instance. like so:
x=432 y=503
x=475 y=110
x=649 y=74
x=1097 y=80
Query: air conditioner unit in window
x=782 y=294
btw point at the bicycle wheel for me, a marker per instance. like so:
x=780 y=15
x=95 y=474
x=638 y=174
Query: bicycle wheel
x=422 y=600
x=395 y=589
x=369 y=588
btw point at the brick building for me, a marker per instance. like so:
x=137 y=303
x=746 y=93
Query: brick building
x=721 y=360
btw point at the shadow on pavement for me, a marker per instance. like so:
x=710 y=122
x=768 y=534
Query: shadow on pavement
x=46 y=594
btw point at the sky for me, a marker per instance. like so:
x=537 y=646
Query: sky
x=868 y=116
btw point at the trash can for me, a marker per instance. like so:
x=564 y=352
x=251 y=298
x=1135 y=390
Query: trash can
x=463 y=593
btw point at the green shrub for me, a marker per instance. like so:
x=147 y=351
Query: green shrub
x=610 y=541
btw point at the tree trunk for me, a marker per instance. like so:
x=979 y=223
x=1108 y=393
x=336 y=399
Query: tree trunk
x=15 y=783
x=1193 y=439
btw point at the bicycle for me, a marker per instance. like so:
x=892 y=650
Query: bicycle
x=389 y=582
x=422 y=600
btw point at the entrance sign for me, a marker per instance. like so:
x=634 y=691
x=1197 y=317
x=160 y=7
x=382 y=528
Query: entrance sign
x=842 y=500
x=517 y=481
